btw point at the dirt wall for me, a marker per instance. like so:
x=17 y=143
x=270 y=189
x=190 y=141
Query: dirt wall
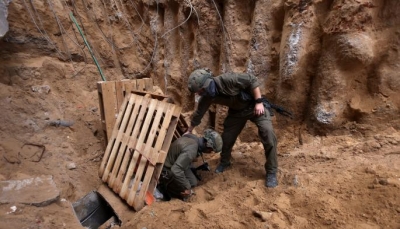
x=329 y=62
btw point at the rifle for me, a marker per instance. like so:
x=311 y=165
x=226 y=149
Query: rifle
x=278 y=109
x=247 y=97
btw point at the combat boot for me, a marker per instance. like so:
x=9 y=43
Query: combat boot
x=271 y=181
x=221 y=167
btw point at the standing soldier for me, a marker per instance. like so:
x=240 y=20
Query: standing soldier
x=241 y=93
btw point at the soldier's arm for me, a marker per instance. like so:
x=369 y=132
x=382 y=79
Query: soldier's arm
x=259 y=107
x=202 y=107
x=247 y=81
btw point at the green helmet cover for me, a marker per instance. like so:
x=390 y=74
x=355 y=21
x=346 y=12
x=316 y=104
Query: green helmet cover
x=214 y=140
x=198 y=78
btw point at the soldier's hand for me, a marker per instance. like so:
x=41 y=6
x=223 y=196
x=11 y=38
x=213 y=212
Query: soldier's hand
x=186 y=194
x=259 y=109
x=189 y=130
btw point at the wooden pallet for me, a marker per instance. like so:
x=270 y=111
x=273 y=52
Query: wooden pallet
x=111 y=96
x=138 y=146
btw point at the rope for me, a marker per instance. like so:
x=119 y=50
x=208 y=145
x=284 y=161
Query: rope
x=88 y=46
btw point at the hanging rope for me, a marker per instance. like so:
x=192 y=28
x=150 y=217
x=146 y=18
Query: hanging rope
x=88 y=46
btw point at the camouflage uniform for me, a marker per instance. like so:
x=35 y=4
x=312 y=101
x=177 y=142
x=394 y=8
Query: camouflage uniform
x=230 y=93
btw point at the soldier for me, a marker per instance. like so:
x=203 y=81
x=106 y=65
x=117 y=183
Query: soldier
x=241 y=93
x=177 y=179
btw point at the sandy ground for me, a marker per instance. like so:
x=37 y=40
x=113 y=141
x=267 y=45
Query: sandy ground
x=334 y=63
x=348 y=181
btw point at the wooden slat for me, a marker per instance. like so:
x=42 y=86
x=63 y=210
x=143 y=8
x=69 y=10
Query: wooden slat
x=124 y=134
x=170 y=111
x=165 y=144
x=148 y=84
x=117 y=135
x=120 y=92
x=101 y=105
x=141 y=85
x=110 y=105
x=131 y=145
x=124 y=191
x=130 y=86
x=148 y=151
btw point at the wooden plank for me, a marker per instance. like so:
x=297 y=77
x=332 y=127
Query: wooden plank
x=171 y=130
x=124 y=136
x=106 y=89
x=111 y=96
x=124 y=191
x=157 y=157
x=144 y=148
x=165 y=139
x=150 y=177
x=119 y=92
x=110 y=106
x=131 y=144
x=101 y=105
x=148 y=84
x=130 y=86
x=148 y=151
x=162 y=155
x=152 y=95
x=141 y=85
x=112 y=149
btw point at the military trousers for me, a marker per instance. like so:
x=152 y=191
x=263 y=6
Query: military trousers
x=234 y=124
x=169 y=186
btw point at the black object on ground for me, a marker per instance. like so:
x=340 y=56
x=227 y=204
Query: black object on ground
x=93 y=211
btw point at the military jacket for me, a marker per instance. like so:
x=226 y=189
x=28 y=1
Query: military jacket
x=229 y=87
x=180 y=155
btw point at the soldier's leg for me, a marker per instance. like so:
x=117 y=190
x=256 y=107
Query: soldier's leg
x=268 y=139
x=168 y=185
x=232 y=128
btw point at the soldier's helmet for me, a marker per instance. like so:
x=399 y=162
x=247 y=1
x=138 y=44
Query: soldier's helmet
x=213 y=139
x=199 y=79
